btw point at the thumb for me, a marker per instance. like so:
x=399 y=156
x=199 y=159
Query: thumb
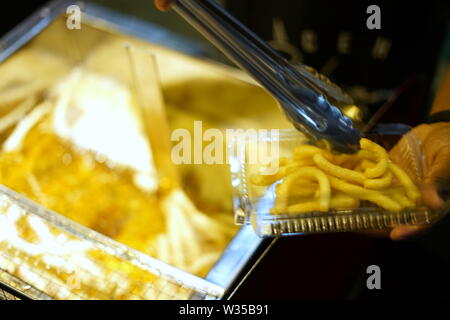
x=431 y=196
x=405 y=232
x=435 y=176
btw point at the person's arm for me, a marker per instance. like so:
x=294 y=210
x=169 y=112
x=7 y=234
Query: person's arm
x=435 y=139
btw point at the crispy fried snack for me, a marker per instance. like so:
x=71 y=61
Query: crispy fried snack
x=315 y=179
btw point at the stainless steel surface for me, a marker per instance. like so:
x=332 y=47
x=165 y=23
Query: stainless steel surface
x=29 y=28
x=16 y=289
x=236 y=255
x=242 y=248
x=296 y=88
x=34 y=24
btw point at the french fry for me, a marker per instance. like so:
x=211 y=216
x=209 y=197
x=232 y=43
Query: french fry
x=302 y=188
x=309 y=173
x=339 y=159
x=382 y=157
x=305 y=207
x=402 y=199
x=366 y=164
x=162 y=245
x=378 y=170
x=15 y=94
x=338 y=171
x=339 y=201
x=287 y=168
x=381 y=200
x=343 y=201
x=379 y=183
x=364 y=194
x=317 y=180
x=411 y=190
x=372 y=147
x=359 y=168
x=348 y=161
x=17 y=113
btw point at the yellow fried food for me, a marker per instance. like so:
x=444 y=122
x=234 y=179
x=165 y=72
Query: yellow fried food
x=309 y=173
x=381 y=155
x=411 y=190
x=285 y=169
x=339 y=201
x=354 y=159
x=343 y=201
x=337 y=171
x=365 y=194
x=401 y=198
x=317 y=180
x=303 y=188
x=366 y=164
x=379 y=183
x=304 y=207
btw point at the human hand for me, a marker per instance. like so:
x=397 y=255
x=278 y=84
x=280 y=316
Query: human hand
x=163 y=5
x=435 y=140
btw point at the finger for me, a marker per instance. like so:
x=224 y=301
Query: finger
x=437 y=174
x=436 y=146
x=405 y=232
x=401 y=155
x=431 y=196
x=421 y=132
x=163 y=5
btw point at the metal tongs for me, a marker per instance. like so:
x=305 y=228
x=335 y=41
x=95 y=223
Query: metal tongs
x=310 y=101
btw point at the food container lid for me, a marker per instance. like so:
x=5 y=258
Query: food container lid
x=262 y=162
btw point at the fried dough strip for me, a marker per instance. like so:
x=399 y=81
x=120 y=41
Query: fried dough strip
x=338 y=171
x=309 y=173
x=364 y=194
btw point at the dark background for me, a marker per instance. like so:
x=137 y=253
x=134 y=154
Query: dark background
x=331 y=266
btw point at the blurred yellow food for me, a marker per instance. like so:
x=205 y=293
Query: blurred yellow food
x=68 y=155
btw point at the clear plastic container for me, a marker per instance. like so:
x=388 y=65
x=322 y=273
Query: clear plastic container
x=253 y=203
